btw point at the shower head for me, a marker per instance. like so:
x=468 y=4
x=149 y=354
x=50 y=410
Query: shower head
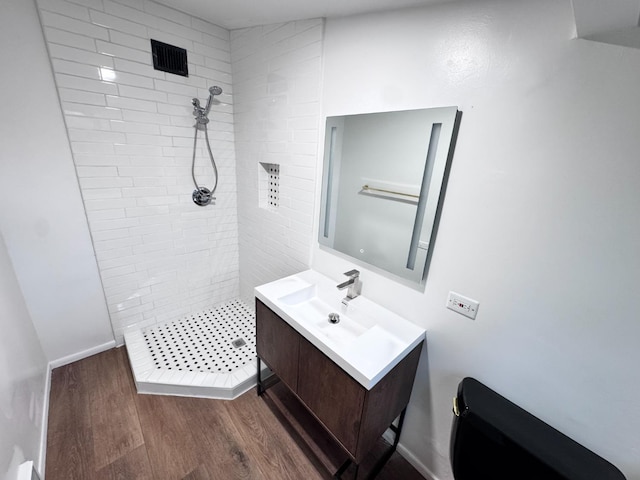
x=212 y=91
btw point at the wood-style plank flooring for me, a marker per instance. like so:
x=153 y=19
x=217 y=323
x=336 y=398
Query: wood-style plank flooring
x=101 y=429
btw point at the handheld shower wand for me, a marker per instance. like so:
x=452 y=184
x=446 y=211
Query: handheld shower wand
x=213 y=91
x=202 y=195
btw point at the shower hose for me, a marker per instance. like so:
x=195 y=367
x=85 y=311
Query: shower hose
x=202 y=195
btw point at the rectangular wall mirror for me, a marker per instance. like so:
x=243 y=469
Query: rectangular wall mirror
x=381 y=187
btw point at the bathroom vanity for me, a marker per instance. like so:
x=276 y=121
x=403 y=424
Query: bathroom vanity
x=354 y=377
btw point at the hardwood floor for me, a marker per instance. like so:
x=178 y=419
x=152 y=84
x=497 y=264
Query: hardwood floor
x=101 y=429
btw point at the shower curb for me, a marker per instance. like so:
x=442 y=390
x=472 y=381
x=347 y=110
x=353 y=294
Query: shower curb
x=154 y=380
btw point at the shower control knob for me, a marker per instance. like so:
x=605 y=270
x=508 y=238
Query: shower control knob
x=202 y=196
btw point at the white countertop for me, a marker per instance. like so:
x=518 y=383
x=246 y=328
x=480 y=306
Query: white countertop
x=368 y=341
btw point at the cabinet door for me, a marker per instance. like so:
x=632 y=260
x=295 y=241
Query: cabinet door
x=332 y=395
x=277 y=344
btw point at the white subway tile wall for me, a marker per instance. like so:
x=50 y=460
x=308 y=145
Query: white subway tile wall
x=131 y=132
x=276 y=78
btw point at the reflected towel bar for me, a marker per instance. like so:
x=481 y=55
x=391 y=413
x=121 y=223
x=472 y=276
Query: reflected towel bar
x=372 y=189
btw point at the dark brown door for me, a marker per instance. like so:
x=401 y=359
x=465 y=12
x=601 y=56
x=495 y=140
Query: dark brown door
x=277 y=344
x=331 y=394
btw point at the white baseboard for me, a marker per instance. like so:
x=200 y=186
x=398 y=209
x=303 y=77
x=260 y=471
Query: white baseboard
x=83 y=354
x=415 y=463
x=40 y=467
x=42 y=455
x=410 y=457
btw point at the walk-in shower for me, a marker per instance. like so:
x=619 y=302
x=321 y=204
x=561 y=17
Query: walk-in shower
x=210 y=353
x=202 y=195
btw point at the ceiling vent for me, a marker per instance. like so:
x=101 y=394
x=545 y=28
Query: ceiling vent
x=169 y=58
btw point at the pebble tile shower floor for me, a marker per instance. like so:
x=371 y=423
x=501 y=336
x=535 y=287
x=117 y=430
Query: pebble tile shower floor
x=206 y=354
x=205 y=341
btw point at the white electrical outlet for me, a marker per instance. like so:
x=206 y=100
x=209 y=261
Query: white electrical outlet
x=463 y=305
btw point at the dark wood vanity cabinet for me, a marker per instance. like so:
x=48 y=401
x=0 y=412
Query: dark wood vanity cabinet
x=277 y=344
x=354 y=416
x=333 y=396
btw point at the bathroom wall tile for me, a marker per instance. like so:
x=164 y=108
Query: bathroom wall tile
x=167 y=13
x=101 y=193
x=98 y=226
x=165 y=37
x=62 y=37
x=141 y=139
x=144 y=192
x=210 y=28
x=104 y=182
x=96 y=4
x=117 y=272
x=125 y=315
x=110 y=234
x=87 y=84
x=131 y=103
x=131 y=127
x=177 y=29
x=115 y=253
x=142 y=93
x=76 y=96
x=110 y=21
x=138 y=150
x=100 y=160
x=88 y=123
x=81 y=56
x=137 y=4
x=183 y=90
x=131 y=131
x=78 y=69
x=127 y=40
x=72 y=25
x=65 y=8
x=106 y=214
x=270 y=65
x=88 y=147
x=143 y=69
x=121 y=51
x=145 y=117
x=94 y=111
x=99 y=136
x=123 y=78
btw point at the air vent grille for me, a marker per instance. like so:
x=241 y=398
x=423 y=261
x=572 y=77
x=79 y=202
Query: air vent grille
x=169 y=58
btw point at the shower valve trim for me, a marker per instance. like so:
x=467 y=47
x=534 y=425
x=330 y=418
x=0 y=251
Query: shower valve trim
x=202 y=196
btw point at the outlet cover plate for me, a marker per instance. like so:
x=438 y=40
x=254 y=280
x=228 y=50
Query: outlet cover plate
x=463 y=305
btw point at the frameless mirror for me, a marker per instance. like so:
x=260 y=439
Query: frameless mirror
x=382 y=186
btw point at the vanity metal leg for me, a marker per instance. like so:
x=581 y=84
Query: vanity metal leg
x=342 y=469
x=259 y=383
x=397 y=430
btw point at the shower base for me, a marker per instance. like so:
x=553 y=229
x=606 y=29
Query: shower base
x=210 y=354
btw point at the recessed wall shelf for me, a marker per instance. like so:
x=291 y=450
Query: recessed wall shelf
x=269 y=190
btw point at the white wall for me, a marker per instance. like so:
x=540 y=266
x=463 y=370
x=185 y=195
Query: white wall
x=276 y=79
x=131 y=130
x=540 y=220
x=23 y=373
x=41 y=214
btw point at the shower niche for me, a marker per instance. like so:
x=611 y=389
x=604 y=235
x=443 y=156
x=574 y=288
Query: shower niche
x=269 y=186
x=383 y=185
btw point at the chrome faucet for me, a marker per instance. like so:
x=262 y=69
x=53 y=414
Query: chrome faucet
x=354 y=284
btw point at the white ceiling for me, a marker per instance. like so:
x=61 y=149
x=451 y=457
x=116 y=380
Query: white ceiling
x=232 y=14
x=592 y=17
x=598 y=16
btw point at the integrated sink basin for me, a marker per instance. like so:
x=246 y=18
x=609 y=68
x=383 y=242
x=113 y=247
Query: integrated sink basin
x=367 y=341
